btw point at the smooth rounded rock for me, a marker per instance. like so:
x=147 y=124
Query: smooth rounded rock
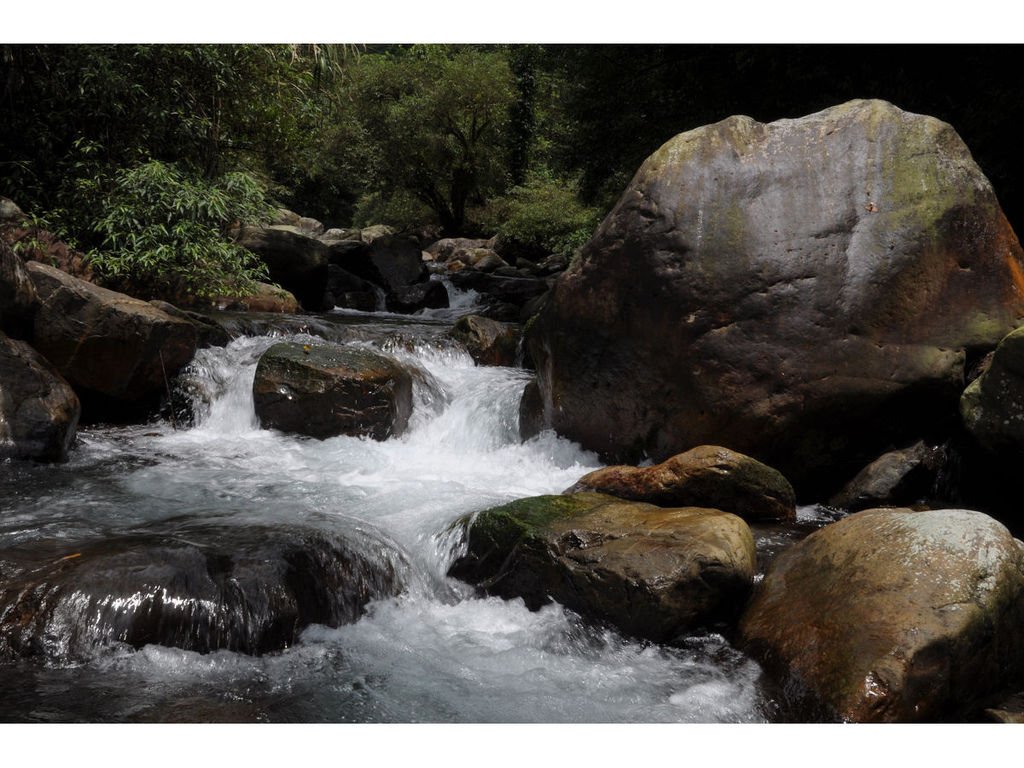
x=39 y=411
x=200 y=587
x=706 y=476
x=324 y=390
x=488 y=342
x=802 y=291
x=891 y=615
x=651 y=572
x=107 y=345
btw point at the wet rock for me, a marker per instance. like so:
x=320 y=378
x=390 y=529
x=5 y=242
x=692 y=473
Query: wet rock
x=18 y=299
x=896 y=478
x=488 y=341
x=802 y=291
x=249 y=589
x=891 y=615
x=531 y=412
x=411 y=298
x=38 y=410
x=117 y=352
x=992 y=407
x=511 y=290
x=706 y=476
x=325 y=390
x=652 y=572
x=296 y=261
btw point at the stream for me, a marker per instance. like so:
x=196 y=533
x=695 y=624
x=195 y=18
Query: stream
x=434 y=653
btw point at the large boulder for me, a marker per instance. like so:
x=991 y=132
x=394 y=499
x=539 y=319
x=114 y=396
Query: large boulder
x=325 y=390
x=249 y=589
x=296 y=260
x=992 y=407
x=654 y=573
x=705 y=476
x=38 y=409
x=894 y=616
x=18 y=299
x=116 y=351
x=488 y=341
x=391 y=262
x=802 y=291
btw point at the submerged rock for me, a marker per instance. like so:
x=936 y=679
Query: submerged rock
x=38 y=410
x=894 y=616
x=802 y=291
x=706 y=476
x=488 y=341
x=204 y=588
x=117 y=352
x=652 y=572
x=325 y=390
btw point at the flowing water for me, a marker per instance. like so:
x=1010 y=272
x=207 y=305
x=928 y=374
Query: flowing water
x=436 y=652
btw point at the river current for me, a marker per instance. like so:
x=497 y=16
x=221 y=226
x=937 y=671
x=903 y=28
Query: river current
x=435 y=653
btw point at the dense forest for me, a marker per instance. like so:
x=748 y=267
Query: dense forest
x=143 y=155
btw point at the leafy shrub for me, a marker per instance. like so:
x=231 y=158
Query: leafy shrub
x=400 y=210
x=544 y=213
x=163 y=232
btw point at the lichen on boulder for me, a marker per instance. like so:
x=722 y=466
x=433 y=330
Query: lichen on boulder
x=804 y=291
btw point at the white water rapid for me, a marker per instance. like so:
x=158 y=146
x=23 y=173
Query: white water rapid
x=435 y=653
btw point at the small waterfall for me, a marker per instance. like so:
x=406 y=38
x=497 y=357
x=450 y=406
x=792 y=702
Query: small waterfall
x=226 y=540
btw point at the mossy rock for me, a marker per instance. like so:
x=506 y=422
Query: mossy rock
x=992 y=407
x=651 y=572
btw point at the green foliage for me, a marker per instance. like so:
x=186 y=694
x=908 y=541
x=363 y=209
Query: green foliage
x=401 y=210
x=544 y=213
x=163 y=232
x=436 y=119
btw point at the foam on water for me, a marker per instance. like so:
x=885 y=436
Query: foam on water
x=436 y=653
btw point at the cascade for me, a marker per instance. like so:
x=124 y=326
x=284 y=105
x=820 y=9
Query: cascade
x=423 y=648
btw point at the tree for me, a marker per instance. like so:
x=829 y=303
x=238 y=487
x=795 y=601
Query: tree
x=437 y=119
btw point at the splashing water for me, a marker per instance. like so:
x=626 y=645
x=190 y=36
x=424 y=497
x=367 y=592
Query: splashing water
x=436 y=652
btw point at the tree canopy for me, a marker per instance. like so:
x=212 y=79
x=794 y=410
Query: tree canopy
x=536 y=141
